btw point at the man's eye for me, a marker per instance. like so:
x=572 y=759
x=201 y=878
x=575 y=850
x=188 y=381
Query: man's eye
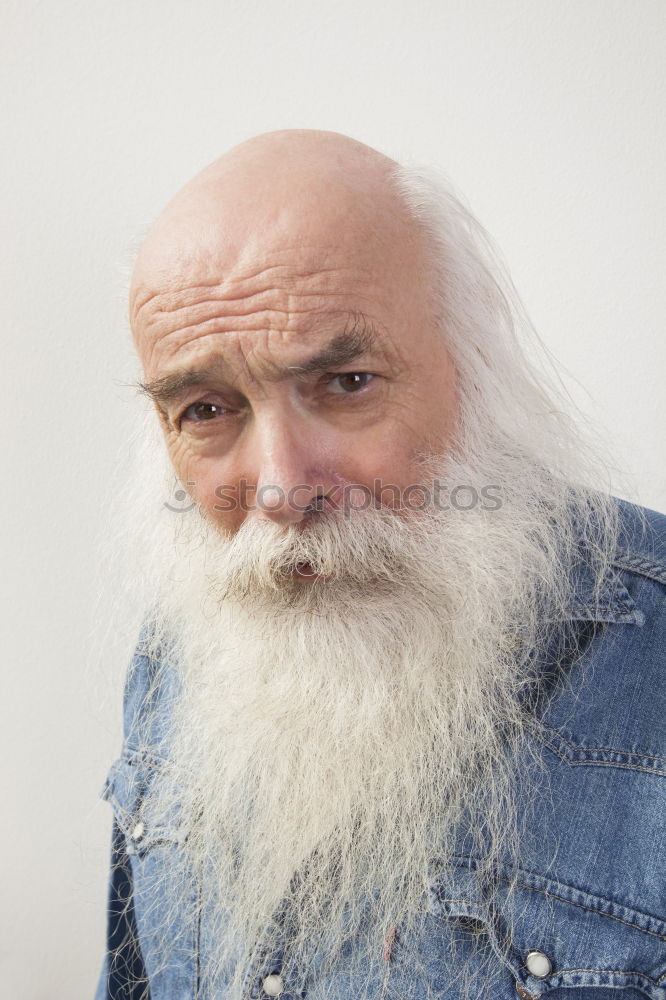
x=350 y=382
x=202 y=411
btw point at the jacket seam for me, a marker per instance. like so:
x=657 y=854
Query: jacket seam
x=589 y=909
x=643 y=567
x=146 y=757
x=631 y=762
x=609 y=972
x=649 y=756
x=611 y=763
x=510 y=875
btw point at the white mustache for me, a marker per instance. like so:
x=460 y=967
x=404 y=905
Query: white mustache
x=372 y=546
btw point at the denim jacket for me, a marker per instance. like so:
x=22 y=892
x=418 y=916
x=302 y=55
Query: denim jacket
x=588 y=917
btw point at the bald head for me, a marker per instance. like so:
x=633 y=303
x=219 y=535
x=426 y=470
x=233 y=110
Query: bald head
x=292 y=187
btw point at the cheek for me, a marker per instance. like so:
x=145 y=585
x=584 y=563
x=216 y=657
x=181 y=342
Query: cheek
x=388 y=470
x=209 y=484
x=225 y=499
x=443 y=407
x=391 y=464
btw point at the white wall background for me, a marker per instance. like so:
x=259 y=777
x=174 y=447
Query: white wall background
x=548 y=116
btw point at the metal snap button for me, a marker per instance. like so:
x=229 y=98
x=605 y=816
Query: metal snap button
x=538 y=964
x=273 y=985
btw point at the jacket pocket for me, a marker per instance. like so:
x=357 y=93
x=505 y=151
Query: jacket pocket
x=542 y=938
x=128 y=784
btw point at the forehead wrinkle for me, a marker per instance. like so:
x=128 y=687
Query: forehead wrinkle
x=287 y=322
x=359 y=337
x=225 y=315
x=142 y=295
x=178 y=295
x=165 y=317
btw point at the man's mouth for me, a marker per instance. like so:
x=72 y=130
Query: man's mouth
x=304 y=573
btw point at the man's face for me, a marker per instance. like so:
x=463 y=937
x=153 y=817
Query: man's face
x=302 y=327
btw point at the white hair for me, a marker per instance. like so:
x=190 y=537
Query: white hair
x=491 y=337
x=512 y=397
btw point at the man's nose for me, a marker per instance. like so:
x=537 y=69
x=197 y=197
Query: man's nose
x=290 y=483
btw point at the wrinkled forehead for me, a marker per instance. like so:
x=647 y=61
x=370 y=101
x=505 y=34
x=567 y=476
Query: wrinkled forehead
x=340 y=248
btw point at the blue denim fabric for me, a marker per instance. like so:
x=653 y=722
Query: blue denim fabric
x=591 y=884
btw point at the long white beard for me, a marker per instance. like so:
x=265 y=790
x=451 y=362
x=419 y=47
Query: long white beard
x=332 y=739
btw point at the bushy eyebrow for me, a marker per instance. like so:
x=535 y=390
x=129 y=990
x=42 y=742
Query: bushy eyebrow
x=342 y=349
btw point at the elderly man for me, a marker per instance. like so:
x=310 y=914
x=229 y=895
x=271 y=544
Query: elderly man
x=394 y=723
